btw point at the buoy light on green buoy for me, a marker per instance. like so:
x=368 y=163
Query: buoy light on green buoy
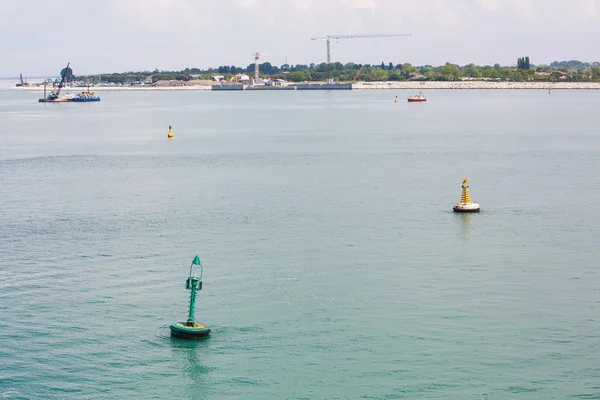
x=191 y=329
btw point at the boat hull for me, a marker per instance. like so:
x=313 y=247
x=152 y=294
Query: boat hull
x=85 y=99
x=53 y=101
x=411 y=100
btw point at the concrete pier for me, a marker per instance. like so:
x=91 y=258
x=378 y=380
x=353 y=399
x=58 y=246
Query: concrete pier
x=325 y=86
x=271 y=88
x=227 y=87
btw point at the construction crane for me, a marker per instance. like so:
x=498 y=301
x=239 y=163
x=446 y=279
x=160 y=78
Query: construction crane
x=63 y=76
x=23 y=82
x=358 y=73
x=256 y=58
x=358 y=36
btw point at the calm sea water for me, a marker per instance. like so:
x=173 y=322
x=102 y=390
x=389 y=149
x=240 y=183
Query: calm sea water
x=334 y=267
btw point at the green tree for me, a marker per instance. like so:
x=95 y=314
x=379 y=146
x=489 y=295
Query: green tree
x=377 y=75
x=472 y=71
x=425 y=68
x=451 y=71
x=299 y=76
x=321 y=67
x=267 y=69
x=490 y=73
x=523 y=63
x=395 y=76
x=430 y=75
x=67 y=73
x=529 y=74
x=516 y=76
x=506 y=73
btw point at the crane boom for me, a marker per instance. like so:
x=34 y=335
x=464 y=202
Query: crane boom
x=351 y=36
x=62 y=80
x=361 y=36
x=358 y=73
x=54 y=95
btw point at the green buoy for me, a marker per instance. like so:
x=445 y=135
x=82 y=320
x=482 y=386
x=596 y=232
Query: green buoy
x=192 y=329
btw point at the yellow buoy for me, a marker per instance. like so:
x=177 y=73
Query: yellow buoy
x=465 y=196
x=466 y=205
x=170 y=134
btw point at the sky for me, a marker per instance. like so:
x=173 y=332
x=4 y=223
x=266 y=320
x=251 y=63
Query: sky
x=38 y=37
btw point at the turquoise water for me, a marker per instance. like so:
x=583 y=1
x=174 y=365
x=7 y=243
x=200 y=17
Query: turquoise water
x=334 y=267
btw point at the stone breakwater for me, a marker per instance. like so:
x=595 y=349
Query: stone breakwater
x=417 y=85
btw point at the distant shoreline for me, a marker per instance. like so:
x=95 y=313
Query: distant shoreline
x=404 y=85
x=112 y=88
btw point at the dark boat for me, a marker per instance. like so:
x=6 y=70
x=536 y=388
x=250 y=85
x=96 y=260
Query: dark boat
x=84 y=97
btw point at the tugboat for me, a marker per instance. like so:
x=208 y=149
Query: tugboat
x=53 y=97
x=466 y=205
x=417 y=98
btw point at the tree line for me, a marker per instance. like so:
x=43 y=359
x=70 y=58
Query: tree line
x=523 y=63
x=524 y=71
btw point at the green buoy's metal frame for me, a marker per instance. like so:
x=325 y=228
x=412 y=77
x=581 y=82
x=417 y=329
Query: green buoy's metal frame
x=191 y=329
